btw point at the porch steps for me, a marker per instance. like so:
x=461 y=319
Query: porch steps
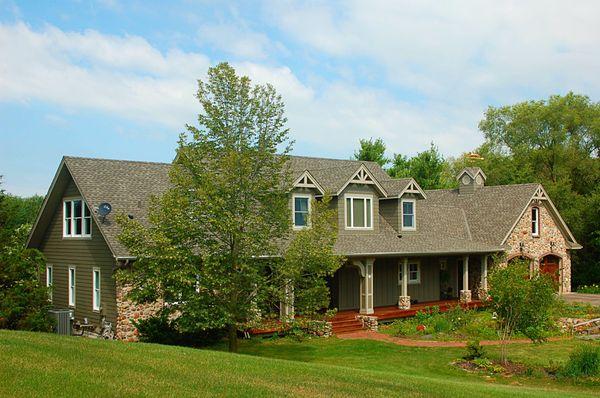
x=346 y=325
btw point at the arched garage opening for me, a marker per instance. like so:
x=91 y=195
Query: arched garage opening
x=550 y=265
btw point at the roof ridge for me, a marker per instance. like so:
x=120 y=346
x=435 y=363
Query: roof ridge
x=116 y=160
x=487 y=186
x=324 y=158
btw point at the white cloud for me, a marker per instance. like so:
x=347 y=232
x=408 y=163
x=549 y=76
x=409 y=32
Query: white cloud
x=465 y=50
x=234 y=39
x=125 y=75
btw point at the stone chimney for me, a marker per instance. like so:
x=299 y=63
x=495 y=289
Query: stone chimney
x=470 y=179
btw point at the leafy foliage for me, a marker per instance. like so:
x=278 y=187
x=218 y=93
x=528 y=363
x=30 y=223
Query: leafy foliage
x=474 y=350
x=212 y=249
x=593 y=288
x=372 y=151
x=23 y=301
x=427 y=168
x=521 y=303
x=161 y=330
x=584 y=361
x=309 y=259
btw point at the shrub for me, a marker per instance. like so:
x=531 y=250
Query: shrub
x=442 y=325
x=589 y=289
x=160 y=330
x=474 y=351
x=583 y=361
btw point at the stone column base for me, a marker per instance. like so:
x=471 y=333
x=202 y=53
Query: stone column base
x=368 y=322
x=404 y=302
x=465 y=296
x=482 y=294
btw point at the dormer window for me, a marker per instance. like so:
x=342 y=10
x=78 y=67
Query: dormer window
x=77 y=219
x=301 y=210
x=359 y=212
x=535 y=221
x=408 y=215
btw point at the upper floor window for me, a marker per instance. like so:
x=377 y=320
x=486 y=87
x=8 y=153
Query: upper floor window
x=408 y=214
x=96 y=291
x=359 y=212
x=301 y=210
x=535 y=221
x=77 y=220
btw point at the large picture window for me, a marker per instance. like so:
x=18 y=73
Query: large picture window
x=77 y=220
x=301 y=211
x=359 y=212
x=96 y=291
x=408 y=214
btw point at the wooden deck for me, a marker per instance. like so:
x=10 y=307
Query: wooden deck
x=345 y=321
x=393 y=312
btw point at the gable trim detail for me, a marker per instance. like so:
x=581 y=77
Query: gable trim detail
x=306 y=180
x=363 y=176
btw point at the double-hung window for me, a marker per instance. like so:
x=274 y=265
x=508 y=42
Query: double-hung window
x=408 y=215
x=414 y=273
x=49 y=280
x=77 y=220
x=359 y=212
x=301 y=211
x=96 y=289
x=535 y=221
x=72 y=286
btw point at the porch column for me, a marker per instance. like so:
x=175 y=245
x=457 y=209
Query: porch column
x=404 y=299
x=465 y=293
x=366 y=285
x=286 y=307
x=484 y=277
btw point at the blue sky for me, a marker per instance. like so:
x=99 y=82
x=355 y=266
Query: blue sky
x=116 y=79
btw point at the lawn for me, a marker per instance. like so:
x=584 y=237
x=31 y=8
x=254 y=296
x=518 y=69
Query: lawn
x=35 y=364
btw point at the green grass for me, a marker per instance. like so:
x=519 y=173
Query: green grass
x=35 y=364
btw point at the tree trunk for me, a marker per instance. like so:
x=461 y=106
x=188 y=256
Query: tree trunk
x=232 y=336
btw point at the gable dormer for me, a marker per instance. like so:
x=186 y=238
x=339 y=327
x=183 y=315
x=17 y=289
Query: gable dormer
x=470 y=179
x=306 y=180
x=363 y=176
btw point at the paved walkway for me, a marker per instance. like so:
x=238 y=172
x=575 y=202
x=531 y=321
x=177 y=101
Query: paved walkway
x=593 y=299
x=370 y=335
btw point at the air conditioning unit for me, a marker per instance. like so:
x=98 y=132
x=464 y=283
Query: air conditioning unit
x=63 y=321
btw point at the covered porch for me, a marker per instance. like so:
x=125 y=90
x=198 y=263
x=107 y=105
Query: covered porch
x=394 y=287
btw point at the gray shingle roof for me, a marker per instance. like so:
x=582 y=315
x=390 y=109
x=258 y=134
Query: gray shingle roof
x=447 y=222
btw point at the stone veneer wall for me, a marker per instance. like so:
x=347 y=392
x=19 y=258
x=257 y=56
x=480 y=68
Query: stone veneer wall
x=128 y=310
x=538 y=247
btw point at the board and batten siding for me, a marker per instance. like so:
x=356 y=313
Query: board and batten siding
x=84 y=254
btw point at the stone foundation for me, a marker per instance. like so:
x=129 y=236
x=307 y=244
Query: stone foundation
x=369 y=322
x=128 y=311
x=404 y=302
x=465 y=296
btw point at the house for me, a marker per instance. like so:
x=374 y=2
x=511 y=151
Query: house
x=404 y=245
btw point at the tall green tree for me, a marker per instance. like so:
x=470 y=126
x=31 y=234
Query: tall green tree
x=426 y=168
x=554 y=142
x=372 y=151
x=212 y=248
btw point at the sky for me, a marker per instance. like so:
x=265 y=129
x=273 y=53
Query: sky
x=116 y=79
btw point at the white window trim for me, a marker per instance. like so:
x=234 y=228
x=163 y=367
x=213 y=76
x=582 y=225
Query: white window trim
x=410 y=282
x=536 y=221
x=352 y=197
x=301 y=195
x=72 y=220
x=96 y=304
x=72 y=286
x=49 y=280
x=414 y=227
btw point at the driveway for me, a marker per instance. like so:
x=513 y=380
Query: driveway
x=593 y=299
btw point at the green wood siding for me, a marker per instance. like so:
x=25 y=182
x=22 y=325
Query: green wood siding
x=385 y=282
x=84 y=254
x=347 y=281
x=429 y=288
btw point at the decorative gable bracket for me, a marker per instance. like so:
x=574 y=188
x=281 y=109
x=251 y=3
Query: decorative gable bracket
x=363 y=176
x=306 y=180
x=414 y=188
x=540 y=194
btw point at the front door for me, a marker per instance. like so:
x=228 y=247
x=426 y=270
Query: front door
x=550 y=265
x=348 y=288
